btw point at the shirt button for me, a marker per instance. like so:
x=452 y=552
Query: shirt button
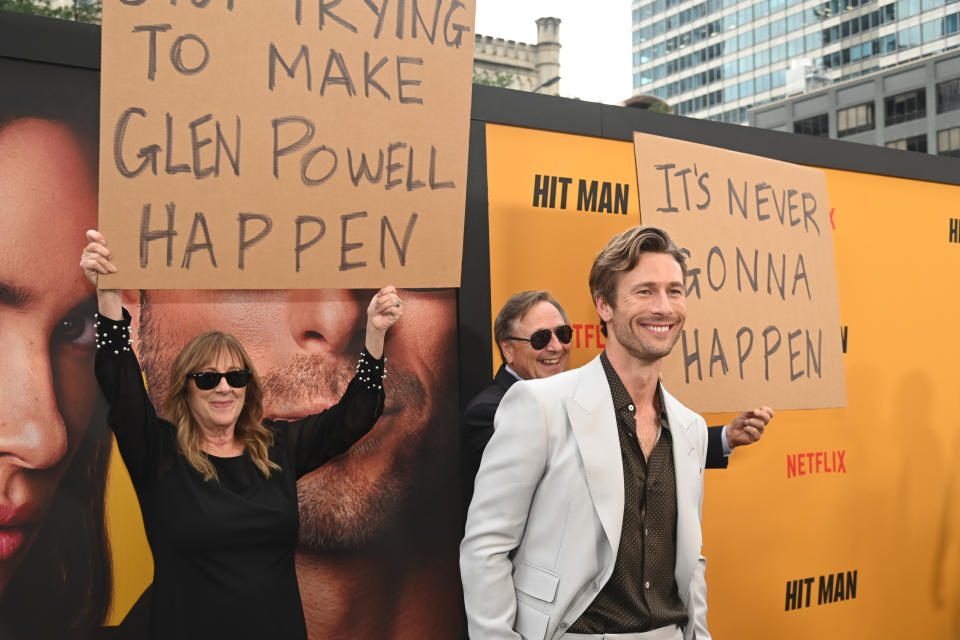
x=563 y=625
x=594 y=586
x=630 y=407
x=646 y=585
x=646 y=532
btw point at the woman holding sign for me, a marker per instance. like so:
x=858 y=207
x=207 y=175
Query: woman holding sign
x=216 y=482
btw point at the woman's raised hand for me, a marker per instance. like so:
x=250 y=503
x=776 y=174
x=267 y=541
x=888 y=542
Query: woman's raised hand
x=95 y=258
x=384 y=310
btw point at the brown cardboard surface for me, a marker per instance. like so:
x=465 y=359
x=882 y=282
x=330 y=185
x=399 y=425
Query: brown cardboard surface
x=763 y=323
x=249 y=129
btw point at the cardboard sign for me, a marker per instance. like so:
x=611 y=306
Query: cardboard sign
x=763 y=312
x=285 y=144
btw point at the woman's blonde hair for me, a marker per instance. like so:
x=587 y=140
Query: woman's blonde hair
x=249 y=430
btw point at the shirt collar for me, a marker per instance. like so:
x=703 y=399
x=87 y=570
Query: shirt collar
x=512 y=372
x=621 y=397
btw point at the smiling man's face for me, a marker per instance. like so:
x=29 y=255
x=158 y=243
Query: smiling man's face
x=530 y=363
x=650 y=308
x=305 y=345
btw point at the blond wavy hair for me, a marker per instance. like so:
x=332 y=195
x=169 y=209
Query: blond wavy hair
x=249 y=430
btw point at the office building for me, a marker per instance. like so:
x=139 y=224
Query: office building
x=915 y=106
x=716 y=58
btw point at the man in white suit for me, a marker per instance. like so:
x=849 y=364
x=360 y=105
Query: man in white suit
x=585 y=521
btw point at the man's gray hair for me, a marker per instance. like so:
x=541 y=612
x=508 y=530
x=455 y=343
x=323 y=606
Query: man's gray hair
x=515 y=308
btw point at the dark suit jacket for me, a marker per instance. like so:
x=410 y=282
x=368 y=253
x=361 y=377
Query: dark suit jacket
x=715 y=457
x=478 y=427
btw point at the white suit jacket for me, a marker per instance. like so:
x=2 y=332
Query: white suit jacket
x=544 y=526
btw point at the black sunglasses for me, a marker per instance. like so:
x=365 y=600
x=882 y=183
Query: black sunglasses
x=541 y=337
x=206 y=380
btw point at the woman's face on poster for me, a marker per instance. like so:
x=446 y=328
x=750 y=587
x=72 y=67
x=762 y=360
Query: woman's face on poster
x=47 y=388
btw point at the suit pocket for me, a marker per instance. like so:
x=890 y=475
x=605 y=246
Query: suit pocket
x=536 y=582
x=531 y=623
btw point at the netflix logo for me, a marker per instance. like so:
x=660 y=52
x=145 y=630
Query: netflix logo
x=588 y=336
x=816 y=462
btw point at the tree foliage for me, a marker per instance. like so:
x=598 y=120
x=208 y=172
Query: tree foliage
x=77 y=10
x=661 y=107
x=500 y=80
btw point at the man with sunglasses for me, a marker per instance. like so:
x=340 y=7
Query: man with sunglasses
x=533 y=334
x=543 y=354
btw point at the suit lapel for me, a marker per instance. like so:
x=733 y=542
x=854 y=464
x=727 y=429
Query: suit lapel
x=594 y=425
x=687 y=473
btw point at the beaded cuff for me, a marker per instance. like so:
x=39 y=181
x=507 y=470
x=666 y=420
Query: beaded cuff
x=370 y=371
x=112 y=334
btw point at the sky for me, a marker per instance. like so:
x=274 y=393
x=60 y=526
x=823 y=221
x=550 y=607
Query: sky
x=594 y=41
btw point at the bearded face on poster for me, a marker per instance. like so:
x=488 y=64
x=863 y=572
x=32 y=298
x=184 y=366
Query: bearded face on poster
x=55 y=574
x=379 y=530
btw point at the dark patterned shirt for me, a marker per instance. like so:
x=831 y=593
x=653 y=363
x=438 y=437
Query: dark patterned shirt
x=642 y=591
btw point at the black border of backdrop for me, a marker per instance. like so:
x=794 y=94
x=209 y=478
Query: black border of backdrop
x=49 y=40
x=59 y=42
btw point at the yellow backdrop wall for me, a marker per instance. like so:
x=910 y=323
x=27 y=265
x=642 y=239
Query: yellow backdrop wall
x=839 y=523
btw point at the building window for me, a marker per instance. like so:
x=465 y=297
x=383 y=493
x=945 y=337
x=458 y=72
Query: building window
x=907 y=8
x=914 y=143
x=932 y=30
x=815 y=126
x=778 y=27
x=948 y=95
x=794 y=21
x=778 y=53
x=761 y=34
x=905 y=107
x=909 y=37
x=951 y=23
x=795 y=48
x=948 y=142
x=855 y=119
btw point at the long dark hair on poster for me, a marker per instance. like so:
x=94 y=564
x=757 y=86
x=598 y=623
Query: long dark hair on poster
x=53 y=510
